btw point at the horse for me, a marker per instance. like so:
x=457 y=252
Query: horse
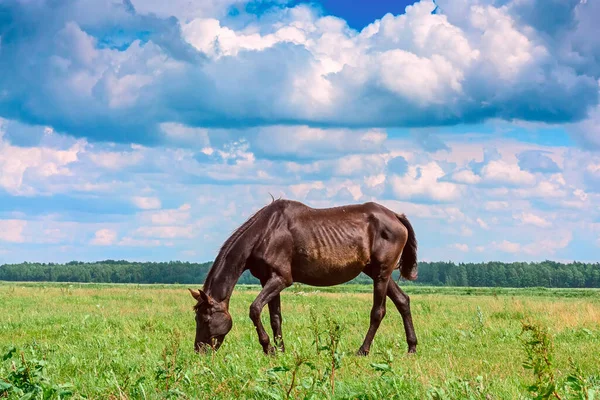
x=287 y=241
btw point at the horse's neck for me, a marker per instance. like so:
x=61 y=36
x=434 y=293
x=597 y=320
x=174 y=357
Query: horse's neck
x=221 y=282
x=231 y=261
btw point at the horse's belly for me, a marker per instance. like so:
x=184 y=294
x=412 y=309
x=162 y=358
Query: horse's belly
x=332 y=268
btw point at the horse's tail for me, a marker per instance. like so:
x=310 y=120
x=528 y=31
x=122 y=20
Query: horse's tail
x=408 y=260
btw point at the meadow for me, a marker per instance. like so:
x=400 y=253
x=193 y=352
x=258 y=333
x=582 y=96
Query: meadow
x=109 y=341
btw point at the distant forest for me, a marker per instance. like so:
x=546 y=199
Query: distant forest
x=491 y=274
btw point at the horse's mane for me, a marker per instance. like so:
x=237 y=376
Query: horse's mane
x=226 y=247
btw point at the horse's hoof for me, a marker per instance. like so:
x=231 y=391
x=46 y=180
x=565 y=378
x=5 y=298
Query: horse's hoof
x=279 y=345
x=362 y=352
x=412 y=351
x=270 y=351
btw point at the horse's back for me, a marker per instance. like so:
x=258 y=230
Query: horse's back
x=333 y=245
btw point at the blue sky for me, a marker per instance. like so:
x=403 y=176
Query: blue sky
x=149 y=130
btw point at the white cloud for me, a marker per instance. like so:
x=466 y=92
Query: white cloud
x=11 y=230
x=435 y=212
x=166 y=232
x=507 y=246
x=185 y=135
x=23 y=170
x=469 y=61
x=466 y=176
x=509 y=50
x=536 y=248
x=500 y=172
x=375 y=180
x=131 y=242
x=104 y=237
x=461 y=246
x=169 y=217
x=116 y=160
x=532 y=219
x=330 y=178
x=306 y=142
x=146 y=203
x=482 y=223
x=208 y=36
x=302 y=189
x=496 y=205
x=358 y=164
x=183 y=9
x=465 y=231
x=421 y=183
x=552 y=188
x=549 y=246
x=587 y=132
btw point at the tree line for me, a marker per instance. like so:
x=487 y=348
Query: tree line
x=490 y=274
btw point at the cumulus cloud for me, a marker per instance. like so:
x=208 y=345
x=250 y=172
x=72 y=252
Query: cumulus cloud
x=104 y=237
x=502 y=173
x=132 y=242
x=182 y=9
x=532 y=219
x=587 y=132
x=466 y=62
x=146 y=203
x=541 y=247
x=422 y=183
x=592 y=176
x=115 y=161
x=169 y=217
x=11 y=230
x=306 y=142
x=24 y=169
x=461 y=246
x=429 y=142
x=465 y=176
x=166 y=232
x=482 y=223
x=537 y=161
x=496 y=205
x=507 y=246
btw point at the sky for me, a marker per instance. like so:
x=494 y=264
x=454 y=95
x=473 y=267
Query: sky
x=148 y=130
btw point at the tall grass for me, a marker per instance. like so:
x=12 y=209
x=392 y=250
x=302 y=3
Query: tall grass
x=136 y=342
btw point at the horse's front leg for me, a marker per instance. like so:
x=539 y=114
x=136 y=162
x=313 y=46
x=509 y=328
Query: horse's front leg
x=275 y=316
x=380 y=285
x=272 y=288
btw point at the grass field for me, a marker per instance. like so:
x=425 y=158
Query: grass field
x=136 y=341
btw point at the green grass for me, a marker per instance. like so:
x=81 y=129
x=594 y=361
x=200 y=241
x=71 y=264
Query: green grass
x=136 y=341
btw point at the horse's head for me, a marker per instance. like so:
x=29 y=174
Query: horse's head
x=213 y=321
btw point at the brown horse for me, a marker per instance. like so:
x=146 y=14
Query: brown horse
x=286 y=242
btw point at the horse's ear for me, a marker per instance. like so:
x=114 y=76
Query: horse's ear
x=201 y=296
x=195 y=293
x=206 y=298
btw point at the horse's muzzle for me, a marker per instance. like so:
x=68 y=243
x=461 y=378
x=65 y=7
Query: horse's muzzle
x=214 y=344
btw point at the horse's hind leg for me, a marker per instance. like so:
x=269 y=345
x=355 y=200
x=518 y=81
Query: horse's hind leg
x=380 y=285
x=402 y=302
